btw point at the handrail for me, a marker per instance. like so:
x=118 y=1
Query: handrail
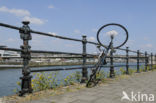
x=44 y=51
x=79 y=67
x=57 y=36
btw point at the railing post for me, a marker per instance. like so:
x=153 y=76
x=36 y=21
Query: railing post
x=138 y=64
x=25 y=54
x=84 y=69
x=146 y=61
x=151 y=61
x=112 y=74
x=155 y=62
x=127 y=60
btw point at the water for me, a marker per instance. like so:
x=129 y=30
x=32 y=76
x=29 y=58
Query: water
x=9 y=77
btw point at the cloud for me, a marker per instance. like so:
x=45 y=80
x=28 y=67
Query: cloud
x=51 y=7
x=148 y=45
x=76 y=31
x=52 y=33
x=130 y=42
x=91 y=38
x=33 y=20
x=11 y=40
x=17 y=12
x=113 y=32
x=147 y=39
x=37 y=41
x=94 y=30
x=24 y=14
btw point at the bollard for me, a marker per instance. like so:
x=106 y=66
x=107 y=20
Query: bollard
x=112 y=74
x=146 y=61
x=84 y=69
x=138 y=64
x=127 y=60
x=25 y=54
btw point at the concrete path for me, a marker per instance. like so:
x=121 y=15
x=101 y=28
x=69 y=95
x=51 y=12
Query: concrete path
x=139 y=84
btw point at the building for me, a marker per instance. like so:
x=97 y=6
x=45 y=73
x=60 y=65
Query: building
x=6 y=53
x=9 y=56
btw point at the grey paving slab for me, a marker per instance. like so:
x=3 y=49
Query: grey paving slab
x=109 y=93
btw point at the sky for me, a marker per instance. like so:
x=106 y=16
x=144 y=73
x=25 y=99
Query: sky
x=74 y=18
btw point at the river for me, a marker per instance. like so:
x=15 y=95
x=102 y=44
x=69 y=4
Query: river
x=9 y=77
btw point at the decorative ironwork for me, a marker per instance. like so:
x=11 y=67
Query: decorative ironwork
x=146 y=61
x=151 y=67
x=25 y=54
x=127 y=60
x=138 y=66
x=25 y=34
x=84 y=69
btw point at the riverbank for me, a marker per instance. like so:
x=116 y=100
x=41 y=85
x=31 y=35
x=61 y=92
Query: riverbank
x=19 y=65
x=55 y=92
x=12 y=76
x=109 y=88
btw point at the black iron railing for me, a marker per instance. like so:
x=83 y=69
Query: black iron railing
x=25 y=34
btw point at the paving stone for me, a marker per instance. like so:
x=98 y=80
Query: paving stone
x=109 y=93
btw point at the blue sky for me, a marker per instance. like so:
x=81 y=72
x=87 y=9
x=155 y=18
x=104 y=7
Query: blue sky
x=74 y=18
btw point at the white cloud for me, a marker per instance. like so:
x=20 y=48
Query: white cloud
x=33 y=20
x=149 y=45
x=52 y=33
x=51 y=7
x=77 y=31
x=94 y=30
x=147 y=39
x=10 y=40
x=130 y=42
x=24 y=14
x=91 y=38
x=17 y=12
x=112 y=32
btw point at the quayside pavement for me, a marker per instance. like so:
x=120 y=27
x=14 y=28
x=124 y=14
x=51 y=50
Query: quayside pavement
x=141 y=85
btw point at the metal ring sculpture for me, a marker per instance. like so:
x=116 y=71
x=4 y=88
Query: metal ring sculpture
x=112 y=24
